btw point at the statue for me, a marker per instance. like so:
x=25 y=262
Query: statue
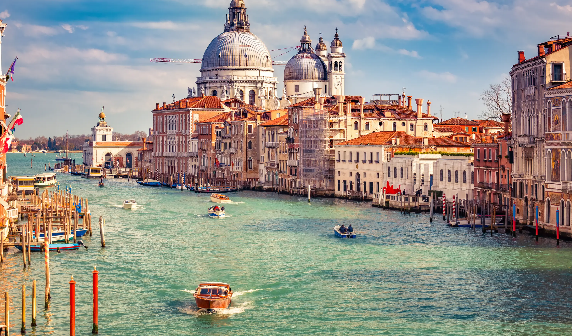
x=224 y=91
x=190 y=92
x=202 y=91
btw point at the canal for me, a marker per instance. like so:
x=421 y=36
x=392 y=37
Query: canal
x=402 y=276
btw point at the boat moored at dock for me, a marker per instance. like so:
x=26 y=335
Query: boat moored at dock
x=45 y=180
x=54 y=247
x=218 y=198
x=149 y=183
x=213 y=296
x=24 y=184
x=94 y=172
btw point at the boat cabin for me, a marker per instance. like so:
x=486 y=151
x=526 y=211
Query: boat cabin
x=45 y=180
x=24 y=184
x=94 y=172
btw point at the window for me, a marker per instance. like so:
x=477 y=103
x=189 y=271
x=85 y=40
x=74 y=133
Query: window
x=449 y=175
x=377 y=157
x=394 y=126
x=250 y=145
x=339 y=185
x=214 y=94
x=104 y=137
x=472 y=177
x=464 y=176
x=252 y=97
x=249 y=129
x=355 y=125
x=249 y=163
x=339 y=156
x=394 y=171
x=474 y=129
x=296 y=88
x=496 y=157
x=490 y=154
x=426 y=127
x=367 y=126
x=466 y=129
x=557 y=72
x=357 y=156
x=371 y=187
x=478 y=153
x=403 y=124
x=388 y=171
x=350 y=157
x=456 y=176
x=441 y=175
x=401 y=172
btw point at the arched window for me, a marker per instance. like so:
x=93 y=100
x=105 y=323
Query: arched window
x=355 y=125
x=394 y=126
x=214 y=93
x=568 y=109
x=411 y=127
x=426 y=127
x=395 y=171
x=250 y=145
x=464 y=176
x=388 y=171
x=336 y=66
x=340 y=66
x=449 y=175
x=401 y=172
x=441 y=175
x=564 y=117
x=252 y=97
x=456 y=176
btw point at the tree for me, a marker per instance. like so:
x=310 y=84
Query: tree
x=497 y=99
x=50 y=143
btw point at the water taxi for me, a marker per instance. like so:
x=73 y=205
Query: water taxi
x=54 y=247
x=94 y=172
x=149 y=183
x=343 y=235
x=45 y=180
x=24 y=184
x=218 y=198
x=129 y=204
x=213 y=295
x=216 y=212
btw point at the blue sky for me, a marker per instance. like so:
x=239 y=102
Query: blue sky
x=78 y=55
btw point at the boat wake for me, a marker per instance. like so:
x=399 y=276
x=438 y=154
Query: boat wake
x=121 y=206
x=235 y=309
x=235 y=294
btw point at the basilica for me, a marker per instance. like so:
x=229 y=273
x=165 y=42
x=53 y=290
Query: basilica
x=237 y=64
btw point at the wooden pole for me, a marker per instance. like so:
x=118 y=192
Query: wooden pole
x=1 y=246
x=308 y=193
x=72 y=307
x=536 y=221
x=7 y=313
x=102 y=231
x=75 y=224
x=23 y=329
x=34 y=304
x=431 y=208
x=23 y=241
x=47 y=262
x=95 y=329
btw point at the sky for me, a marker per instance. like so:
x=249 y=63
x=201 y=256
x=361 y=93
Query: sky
x=75 y=56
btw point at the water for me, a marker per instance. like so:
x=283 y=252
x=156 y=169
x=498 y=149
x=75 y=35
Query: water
x=401 y=276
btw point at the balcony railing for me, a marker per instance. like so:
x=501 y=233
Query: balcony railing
x=484 y=185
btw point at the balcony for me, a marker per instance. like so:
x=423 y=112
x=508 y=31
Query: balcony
x=485 y=185
x=292 y=163
x=272 y=144
x=271 y=164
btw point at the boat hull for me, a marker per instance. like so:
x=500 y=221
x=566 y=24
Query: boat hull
x=129 y=206
x=53 y=247
x=343 y=235
x=213 y=215
x=204 y=303
x=218 y=200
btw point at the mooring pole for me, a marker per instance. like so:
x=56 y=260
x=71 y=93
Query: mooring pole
x=34 y=303
x=557 y=227
x=308 y=193
x=7 y=313
x=23 y=329
x=72 y=307
x=95 y=329
x=47 y=261
x=102 y=231
x=514 y=220
x=536 y=220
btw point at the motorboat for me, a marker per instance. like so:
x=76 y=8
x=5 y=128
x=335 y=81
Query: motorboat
x=213 y=296
x=149 y=183
x=59 y=235
x=45 y=180
x=94 y=172
x=129 y=204
x=55 y=238
x=218 y=198
x=216 y=212
x=54 y=247
x=24 y=184
x=343 y=235
x=101 y=184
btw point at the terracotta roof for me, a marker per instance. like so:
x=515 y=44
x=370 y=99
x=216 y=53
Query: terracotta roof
x=490 y=123
x=384 y=138
x=219 y=118
x=281 y=121
x=118 y=144
x=375 y=138
x=566 y=85
x=445 y=128
x=206 y=102
x=459 y=122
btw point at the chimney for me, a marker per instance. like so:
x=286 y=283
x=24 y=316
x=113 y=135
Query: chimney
x=156 y=106
x=541 y=51
x=506 y=121
x=403 y=100
x=419 y=103
x=340 y=108
x=361 y=101
x=399 y=100
x=428 y=108
x=144 y=142
x=521 y=57
x=409 y=102
x=425 y=141
x=317 y=94
x=397 y=141
x=349 y=108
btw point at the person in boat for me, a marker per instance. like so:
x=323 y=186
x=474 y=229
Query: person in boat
x=350 y=229
x=343 y=229
x=222 y=208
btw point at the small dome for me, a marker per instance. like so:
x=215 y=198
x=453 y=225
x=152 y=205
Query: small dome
x=336 y=41
x=236 y=3
x=102 y=116
x=305 y=66
x=321 y=46
x=235 y=49
x=305 y=38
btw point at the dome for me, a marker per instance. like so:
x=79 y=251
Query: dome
x=321 y=46
x=102 y=116
x=305 y=66
x=336 y=41
x=236 y=3
x=236 y=49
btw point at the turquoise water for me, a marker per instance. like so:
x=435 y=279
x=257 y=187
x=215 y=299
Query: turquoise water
x=402 y=276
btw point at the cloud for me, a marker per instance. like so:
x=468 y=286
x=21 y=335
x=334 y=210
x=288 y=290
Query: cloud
x=164 y=25
x=411 y=53
x=36 y=30
x=4 y=15
x=440 y=77
x=365 y=43
x=70 y=28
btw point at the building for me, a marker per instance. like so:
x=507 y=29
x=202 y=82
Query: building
x=274 y=156
x=3 y=116
x=536 y=118
x=102 y=151
x=173 y=126
x=454 y=176
x=237 y=64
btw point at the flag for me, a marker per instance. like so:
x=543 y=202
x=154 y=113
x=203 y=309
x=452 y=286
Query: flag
x=5 y=142
x=17 y=120
x=11 y=69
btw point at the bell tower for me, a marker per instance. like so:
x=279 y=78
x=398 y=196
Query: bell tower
x=237 y=20
x=102 y=132
x=336 y=64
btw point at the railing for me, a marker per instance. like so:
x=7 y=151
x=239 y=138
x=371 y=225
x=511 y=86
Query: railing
x=484 y=185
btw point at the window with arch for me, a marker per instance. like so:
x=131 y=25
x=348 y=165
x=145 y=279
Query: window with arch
x=252 y=97
x=456 y=176
x=336 y=66
x=355 y=125
x=250 y=145
x=426 y=127
x=215 y=93
x=401 y=172
x=340 y=66
x=449 y=175
x=441 y=175
x=395 y=171
x=394 y=126
x=464 y=176
x=411 y=127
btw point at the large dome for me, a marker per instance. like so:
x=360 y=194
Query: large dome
x=305 y=66
x=236 y=49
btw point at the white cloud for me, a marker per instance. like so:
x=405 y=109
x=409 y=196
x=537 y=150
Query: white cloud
x=365 y=43
x=411 y=53
x=440 y=77
x=67 y=28
x=4 y=15
x=36 y=30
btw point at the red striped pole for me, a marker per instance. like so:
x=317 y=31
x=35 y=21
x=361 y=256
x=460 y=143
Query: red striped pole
x=454 y=206
x=95 y=329
x=72 y=307
x=557 y=227
x=444 y=206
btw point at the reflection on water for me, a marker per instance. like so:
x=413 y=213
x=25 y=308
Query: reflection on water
x=401 y=276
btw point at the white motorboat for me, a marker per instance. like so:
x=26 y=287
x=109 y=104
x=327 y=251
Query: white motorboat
x=45 y=180
x=129 y=204
x=216 y=212
x=218 y=198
